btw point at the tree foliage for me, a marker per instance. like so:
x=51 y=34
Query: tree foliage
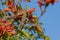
x=17 y=23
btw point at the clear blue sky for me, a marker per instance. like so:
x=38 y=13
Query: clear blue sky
x=51 y=19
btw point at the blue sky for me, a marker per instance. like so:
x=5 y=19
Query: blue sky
x=51 y=19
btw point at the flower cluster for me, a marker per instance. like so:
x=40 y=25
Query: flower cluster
x=46 y=2
x=6 y=27
x=18 y=23
x=11 y=6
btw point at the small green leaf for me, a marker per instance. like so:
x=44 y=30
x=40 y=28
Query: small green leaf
x=46 y=38
x=20 y=7
x=26 y=34
x=4 y=3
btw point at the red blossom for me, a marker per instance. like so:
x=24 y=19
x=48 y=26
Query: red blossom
x=40 y=3
x=6 y=26
x=52 y=1
x=10 y=3
x=2 y=30
x=6 y=9
x=28 y=0
x=31 y=10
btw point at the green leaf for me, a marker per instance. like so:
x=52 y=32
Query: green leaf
x=46 y=38
x=12 y=0
x=40 y=34
x=4 y=3
x=20 y=7
x=26 y=34
x=1 y=14
x=33 y=36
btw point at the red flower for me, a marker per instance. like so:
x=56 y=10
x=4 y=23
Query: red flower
x=10 y=29
x=6 y=26
x=52 y=1
x=6 y=9
x=12 y=33
x=28 y=0
x=40 y=3
x=2 y=30
x=31 y=10
x=10 y=3
x=0 y=21
x=4 y=20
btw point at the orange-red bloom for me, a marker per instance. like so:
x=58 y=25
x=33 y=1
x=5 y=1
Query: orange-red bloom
x=2 y=30
x=28 y=0
x=6 y=9
x=43 y=2
x=10 y=3
x=6 y=27
x=31 y=10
